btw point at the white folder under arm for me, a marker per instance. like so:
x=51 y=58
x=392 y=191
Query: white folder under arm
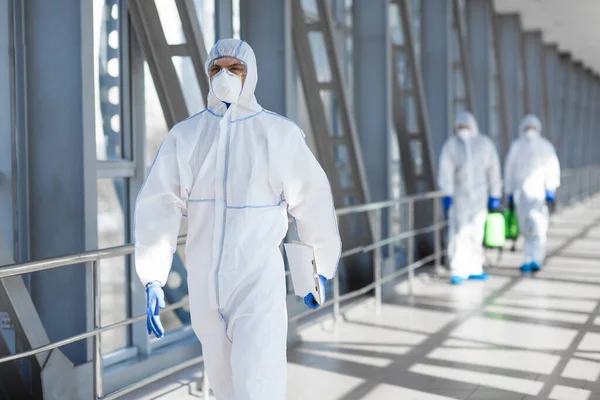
x=303 y=268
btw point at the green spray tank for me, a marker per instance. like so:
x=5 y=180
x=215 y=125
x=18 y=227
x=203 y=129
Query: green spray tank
x=495 y=230
x=512 y=224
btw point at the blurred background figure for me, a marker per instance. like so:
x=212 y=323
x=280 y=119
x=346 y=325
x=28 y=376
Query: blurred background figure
x=469 y=178
x=532 y=175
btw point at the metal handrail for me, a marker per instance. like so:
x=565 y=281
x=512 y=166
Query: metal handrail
x=63 y=261
x=97 y=255
x=128 y=249
x=373 y=208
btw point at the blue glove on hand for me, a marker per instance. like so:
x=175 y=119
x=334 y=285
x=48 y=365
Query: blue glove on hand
x=493 y=204
x=511 y=201
x=156 y=300
x=550 y=196
x=447 y=203
x=310 y=300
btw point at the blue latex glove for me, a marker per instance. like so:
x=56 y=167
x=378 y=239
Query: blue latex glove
x=493 y=204
x=309 y=299
x=156 y=300
x=550 y=196
x=511 y=200
x=447 y=203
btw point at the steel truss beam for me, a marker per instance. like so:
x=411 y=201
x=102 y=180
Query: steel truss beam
x=337 y=140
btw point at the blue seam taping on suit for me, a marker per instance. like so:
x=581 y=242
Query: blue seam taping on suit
x=201 y=200
x=214 y=113
x=191 y=116
x=248 y=117
x=226 y=325
x=217 y=48
x=251 y=206
x=281 y=116
x=237 y=51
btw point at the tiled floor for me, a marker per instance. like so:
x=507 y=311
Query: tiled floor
x=509 y=338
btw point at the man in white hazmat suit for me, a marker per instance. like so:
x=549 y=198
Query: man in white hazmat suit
x=235 y=170
x=532 y=175
x=469 y=178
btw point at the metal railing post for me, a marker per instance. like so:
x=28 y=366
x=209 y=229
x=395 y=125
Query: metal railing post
x=580 y=181
x=205 y=385
x=377 y=259
x=336 y=299
x=589 y=182
x=98 y=367
x=437 y=240
x=411 y=246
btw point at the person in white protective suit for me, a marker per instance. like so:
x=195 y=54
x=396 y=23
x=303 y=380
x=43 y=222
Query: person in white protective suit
x=235 y=170
x=532 y=175
x=469 y=178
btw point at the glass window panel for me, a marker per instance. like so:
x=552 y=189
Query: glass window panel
x=107 y=72
x=206 y=16
x=319 y=53
x=189 y=84
x=403 y=71
x=416 y=11
x=112 y=228
x=170 y=21
x=416 y=150
x=310 y=8
x=236 y=18
x=156 y=126
x=328 y=106
x=342 y=160
x=396 y=25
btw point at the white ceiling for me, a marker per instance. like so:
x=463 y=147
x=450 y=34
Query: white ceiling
x=574 y=25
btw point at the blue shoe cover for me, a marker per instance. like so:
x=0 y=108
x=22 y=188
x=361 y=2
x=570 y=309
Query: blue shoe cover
x=526 y=267
x=481 y=277
x=457 y=280
x=535 y=267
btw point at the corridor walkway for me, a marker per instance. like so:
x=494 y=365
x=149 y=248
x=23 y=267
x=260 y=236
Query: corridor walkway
x=510 y=338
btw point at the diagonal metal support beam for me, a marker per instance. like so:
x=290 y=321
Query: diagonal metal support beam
x=337 y=141
x=158 y=53
x=461 y=34
x=501 y=85
x=418 y=166
x=57 y=371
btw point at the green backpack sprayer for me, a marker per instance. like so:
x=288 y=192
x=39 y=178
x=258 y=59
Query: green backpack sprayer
x=500 y=227
x=495 y=230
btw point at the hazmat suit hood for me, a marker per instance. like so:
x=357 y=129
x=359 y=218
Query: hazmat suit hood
x=240 y=50
x=530 y=120
x=465 y=118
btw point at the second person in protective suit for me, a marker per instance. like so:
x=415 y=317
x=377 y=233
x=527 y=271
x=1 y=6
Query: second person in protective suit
x=532 y=175
x=470 y=180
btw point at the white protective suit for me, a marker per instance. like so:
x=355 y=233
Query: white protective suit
x=235 y=173
x=469 y=172
x=531 y=168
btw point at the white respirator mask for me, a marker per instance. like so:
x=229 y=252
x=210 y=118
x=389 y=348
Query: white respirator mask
x=463 y=133
x=227 y=86
x=530 y=133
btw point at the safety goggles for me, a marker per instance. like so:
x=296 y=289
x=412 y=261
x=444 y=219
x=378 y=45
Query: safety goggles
x=238 y=68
